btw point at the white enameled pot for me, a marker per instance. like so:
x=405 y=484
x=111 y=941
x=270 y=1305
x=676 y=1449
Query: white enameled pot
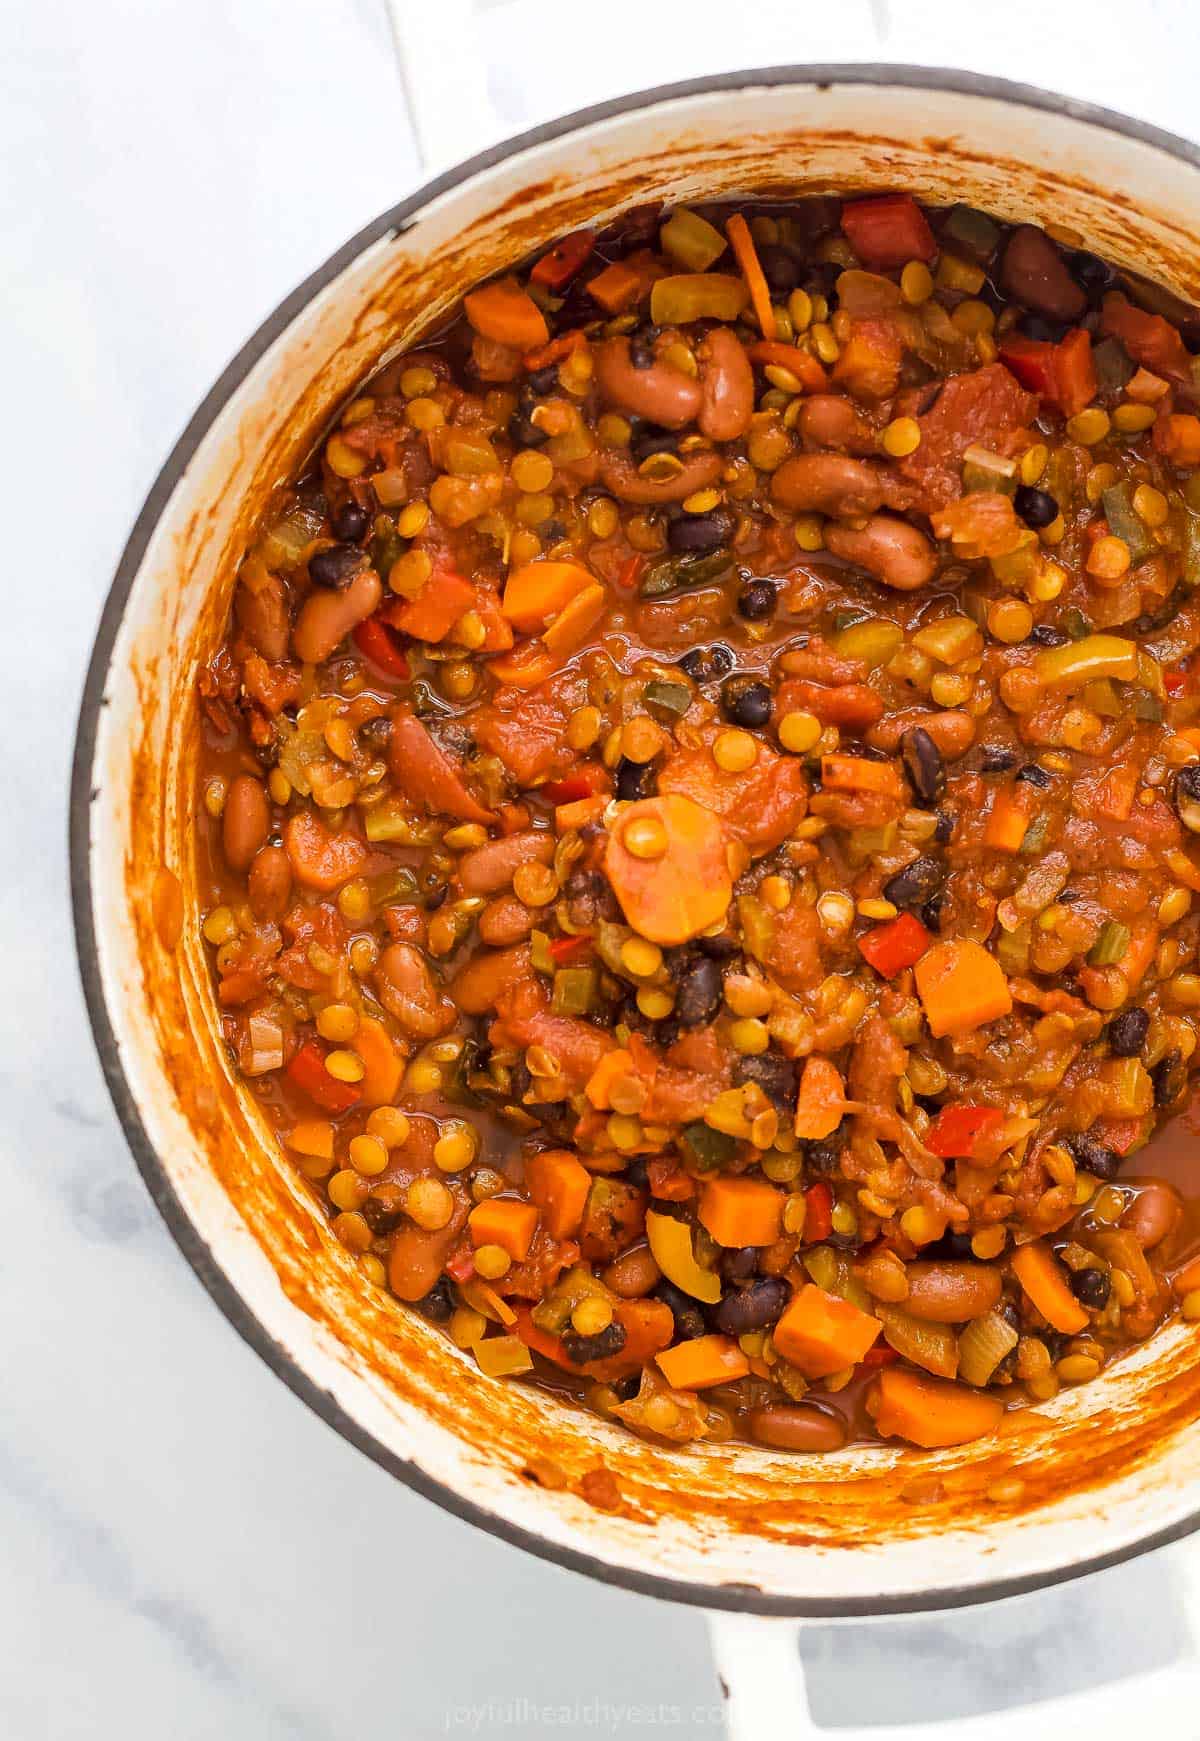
x=1109 y=1469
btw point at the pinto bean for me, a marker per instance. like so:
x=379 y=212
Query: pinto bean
x=505 y=920
x=262 y=616
x=951 y=1292
x=485 y=979
x=833 y=483
x=726 y=386
x=416 y=1256
x=622 y=479
x=951 y=730
x=245 y=821
x=493 y=866
x=407 y=990
x=831 y=420
x=1035 y=273
x=319 y=859
x=632 y=1275
x=659 y=393
x=270 y=883
x=327 y=617
x=1154 y=1213
x=890 y=549
x=794 y=1426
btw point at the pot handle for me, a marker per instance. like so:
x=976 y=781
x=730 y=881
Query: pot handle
x=762 y=1675
x=444 y=73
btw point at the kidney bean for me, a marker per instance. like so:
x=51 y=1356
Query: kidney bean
x=416 y=1257
x=327 y=617
x=478 y=986
x=1033 y=271
x=622 y=479
x=950 y=1293
x=831 y=420
x=319 y=859
x=262 y=615
x=794 y=1426
x=952 y=732
x=699 y=995
x=245 y=821
x=752 y=1307
x=1154 y=1213
x=505 y=920
x=833 y=483
x=492 y=867
x=726 y=386
x=270 y=883
x=658 y=393
x=890 y=549
x=632 y=1275
x=407 y=990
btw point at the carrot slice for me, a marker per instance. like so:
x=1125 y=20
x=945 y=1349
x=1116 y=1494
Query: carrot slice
x=426 y=773
x=321 y=860
x=312 y=1136
x=505 y=1222
x=740 y=1212
x=1007 y=823
x=704 y=1361
x=684 y=890
x=821 y=1101
x=742 y=243
x=961 y=987
x=931 y=1412
x=611 y=1067
x=856 y=774
x=822 y=1334
x=774 y=353
x=384 y=1065
x=1045 y=1282
x=435 y=610
x=507 y=314
x=559 y=1184
x=531 y=664
x=537 y=591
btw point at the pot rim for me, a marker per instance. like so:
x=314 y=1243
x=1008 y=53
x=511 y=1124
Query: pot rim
x=734 y=1597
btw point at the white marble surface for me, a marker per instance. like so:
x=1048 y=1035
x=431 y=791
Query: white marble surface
x=183 y=1548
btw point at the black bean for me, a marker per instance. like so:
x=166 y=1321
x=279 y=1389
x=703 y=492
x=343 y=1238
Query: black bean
x=746 y=701
x=438 y=1303
x=1187 y=796
x=635 y=780
x=707 y=664
x=915 y=884
x=951 y=1245
x=1127 y=1032
x=1091 y=1287
x=1046 y=635
x=739 y=1263
x=637 y=1172
x=931 y=912
x=720 y=947
x=996 y=761
x=944 y=831
x=541 y=382
x=1036 y=507
x=776 y=1076
x=1169 y=1078
x=780 y=268
x=376 y=732
x=1041 y=327
x=698 y=999
x=335 y=567
x=757 y=601
x=697 y=534
x=351 y=523
x=824 y=1156
x=383 y=1213
x=689 y=1319
x=1035 y=776
x=523 y=433
x=641 y=347
x=923 y=764
x=627 y=1387
x=1092 y=1156
x=753 y=1308
x=650 y=439
x=1094 y=274
x=580 y=1349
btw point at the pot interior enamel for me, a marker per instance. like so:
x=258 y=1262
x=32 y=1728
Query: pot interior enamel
x=869 y=1527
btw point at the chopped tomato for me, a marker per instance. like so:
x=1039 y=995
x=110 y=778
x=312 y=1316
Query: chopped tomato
x=381 y=645
x=1062 y=374
x=888 y=231
x=559 y=265
x=898 y=944
x=818 y=1212
x=307 y=1070
x=955 y=1132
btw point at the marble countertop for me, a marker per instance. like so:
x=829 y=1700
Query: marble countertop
x=186 y=1549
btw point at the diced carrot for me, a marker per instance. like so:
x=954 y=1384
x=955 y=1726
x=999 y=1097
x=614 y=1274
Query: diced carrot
x=687 y=887
x=1177 y=437
x=560 y=263
x=312 y=1136
x=384 y=1066
x=1044 y=1280
x=1188 y=1279
x=821 y=1101
x=822 y=1334
x=1143 y=946
x=961 y=987
x=774 y=353
x=580 y=813
x=427 y=774
x=506 y=313
x=437 y=607
x=857 y=774
x=704 y=1361
x=617 y=287
x=740 y=1212
x=931 y=1412
x=556 y=351
x=610 y=1069
x=1007 y=823
x=531 y=664
x=505 y=1222
x=559 y=1184
x=746 y=255
x=1116 y=791
x=537 y=591
x=319 y=859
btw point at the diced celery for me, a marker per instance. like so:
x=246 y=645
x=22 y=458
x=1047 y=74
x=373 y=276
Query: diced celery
x=983 y=1345
x=1110 y=944
x=705 y=1147
x=758 y=926
x=934 y=1347
x=669 y=698
x=1124 y=523
x=575 y=991
x=1012 y=948
x=949 y=640
x=1113 y=364
x=971 y=232
x=984 y=470
x=680 y=573
x=388 y=820
x=872 y=639
x=1035 y=834
x=539 y=953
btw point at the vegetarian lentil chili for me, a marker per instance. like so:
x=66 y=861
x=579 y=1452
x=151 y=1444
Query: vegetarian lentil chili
x=697 y=815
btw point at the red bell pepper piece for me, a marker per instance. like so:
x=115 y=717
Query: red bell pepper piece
x=567 y=949
x=460 y=1265
x=631 y=572
x=307 y=1070
x=879 y=1356
x=585 y=782
x=1063 y=373
x=1175 y=682
x=557 y=268
x=890 y=948
x=888 y=231
x=1150 y=340
x=818 y=1212
x=378 y=643
x=956 y=1130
